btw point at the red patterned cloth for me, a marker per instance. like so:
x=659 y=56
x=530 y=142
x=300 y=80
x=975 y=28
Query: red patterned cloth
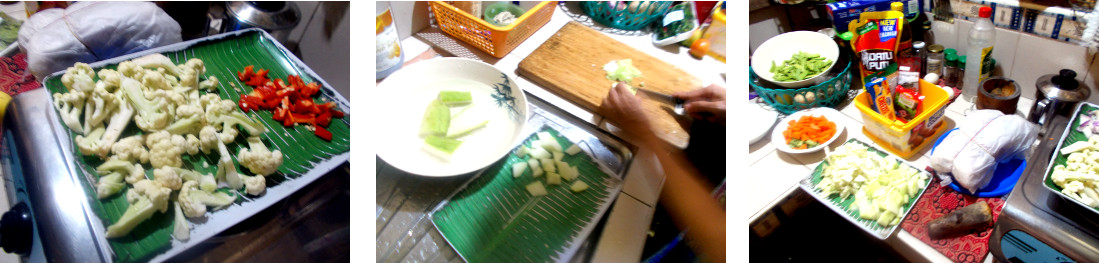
x=940 y=200
x=14 y=77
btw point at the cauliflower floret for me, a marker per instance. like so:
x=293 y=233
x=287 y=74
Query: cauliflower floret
x=79 y=78
x=151 y=115
x=254 y=185
x=109 y=185
x=192 y=70
x=227 y=171
x=258 y=159
x=133 y=171
x=69 y=105
x=155 y=80
x=109 y=78
x=208 y=139
x=165 y=149
x=155 y=191
x=90 y=145
x=99 y=105
x=168 y=177
x=158 y=60
x=146 y=198
x=131 y=149
x=191 y=207
x=189 y=119
x=130 y=70
x=210 y=84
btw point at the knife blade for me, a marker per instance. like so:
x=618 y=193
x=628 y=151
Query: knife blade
x=676 y=103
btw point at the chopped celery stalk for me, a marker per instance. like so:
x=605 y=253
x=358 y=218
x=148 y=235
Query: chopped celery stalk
x=540 y=153
x=553 y=178
x=455 y=98
x=517 y=169
x=578 y=186
x=436 y=120
x=572 y=149
x=454 y=114
x=548 y=165
x=523 y=151
x=537 y=189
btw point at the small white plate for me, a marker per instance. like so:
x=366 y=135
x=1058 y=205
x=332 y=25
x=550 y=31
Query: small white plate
x=780 y=141
x=760 y=121
x=404 y=97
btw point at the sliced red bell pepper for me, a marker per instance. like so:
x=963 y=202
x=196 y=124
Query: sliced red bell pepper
x=323 y=133
x=324 y=119
x=309 y=89
x=246 y=75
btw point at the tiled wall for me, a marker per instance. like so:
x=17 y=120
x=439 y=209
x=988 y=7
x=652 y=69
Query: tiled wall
x=1025 y=57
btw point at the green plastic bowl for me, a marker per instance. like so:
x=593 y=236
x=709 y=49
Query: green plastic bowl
x=499 y=7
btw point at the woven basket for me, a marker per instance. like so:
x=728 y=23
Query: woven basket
x=618 y=14
x=830 y=93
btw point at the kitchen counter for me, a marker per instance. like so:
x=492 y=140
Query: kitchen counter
x=627 y=224
x=774 y=177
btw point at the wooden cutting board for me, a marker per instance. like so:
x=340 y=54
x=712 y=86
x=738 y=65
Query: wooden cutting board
x=570 y=64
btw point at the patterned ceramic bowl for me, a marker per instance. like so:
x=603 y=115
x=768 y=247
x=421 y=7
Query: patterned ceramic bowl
x=405 y=95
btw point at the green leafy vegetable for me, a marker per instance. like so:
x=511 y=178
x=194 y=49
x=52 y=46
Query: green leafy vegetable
x=800 y=67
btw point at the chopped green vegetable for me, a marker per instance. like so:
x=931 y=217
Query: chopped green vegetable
x=436 y=120
x=517 y=169
x=553 y=178
x=455 y=98
x=441 y=146
x=621 y=70
x=578 y=186
x=799 y=67
x=537 y=189
x=572 y=149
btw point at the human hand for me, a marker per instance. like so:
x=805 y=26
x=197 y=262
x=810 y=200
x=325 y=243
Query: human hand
x=624 y=110
x=706 y=103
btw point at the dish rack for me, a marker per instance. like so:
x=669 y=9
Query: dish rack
x=829 y=93
x=494 y=40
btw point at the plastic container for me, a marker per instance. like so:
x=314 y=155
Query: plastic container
x=494 y=40
x=978 y=53
x=906 y=139
x=499 y=7
x=389 y=55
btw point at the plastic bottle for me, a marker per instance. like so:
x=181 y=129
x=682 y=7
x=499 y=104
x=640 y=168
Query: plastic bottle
x=978 y=53
x=388 y=46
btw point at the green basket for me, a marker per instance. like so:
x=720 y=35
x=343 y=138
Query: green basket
x=830 y=93
x=618 y=14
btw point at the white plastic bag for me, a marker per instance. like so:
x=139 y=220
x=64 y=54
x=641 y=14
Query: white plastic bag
x=55 y=39
x=984 y=138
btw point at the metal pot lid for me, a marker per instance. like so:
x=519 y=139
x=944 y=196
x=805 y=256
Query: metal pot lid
x=273 y=15
x=1063 y=87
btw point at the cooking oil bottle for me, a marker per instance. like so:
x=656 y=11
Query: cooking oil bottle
x=388 y=46
x=978 y=53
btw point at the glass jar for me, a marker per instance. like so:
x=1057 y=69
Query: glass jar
x=935 y=59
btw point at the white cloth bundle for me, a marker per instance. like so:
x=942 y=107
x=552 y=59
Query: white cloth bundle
x=55 y=39
x=983 y=139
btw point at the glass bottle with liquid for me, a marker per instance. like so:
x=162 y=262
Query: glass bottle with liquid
x=388 y=45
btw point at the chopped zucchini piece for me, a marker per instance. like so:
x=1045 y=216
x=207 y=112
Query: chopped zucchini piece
x=441 y=147
x=523 y=151
x=578 y=186
x=463 y=128
x=572 y=149
x=455 y=98
x=540 y=153
x=537 y=189
x=548 y=165
x=517 y=169
x=436 y=120
x=536 y=171
x=553 y=178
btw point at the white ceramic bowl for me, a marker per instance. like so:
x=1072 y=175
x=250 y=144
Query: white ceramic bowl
x=782 y=47
x=403 y=97
x=833 y=115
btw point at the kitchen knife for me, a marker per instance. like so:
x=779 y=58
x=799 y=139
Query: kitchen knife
x=676 y=103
